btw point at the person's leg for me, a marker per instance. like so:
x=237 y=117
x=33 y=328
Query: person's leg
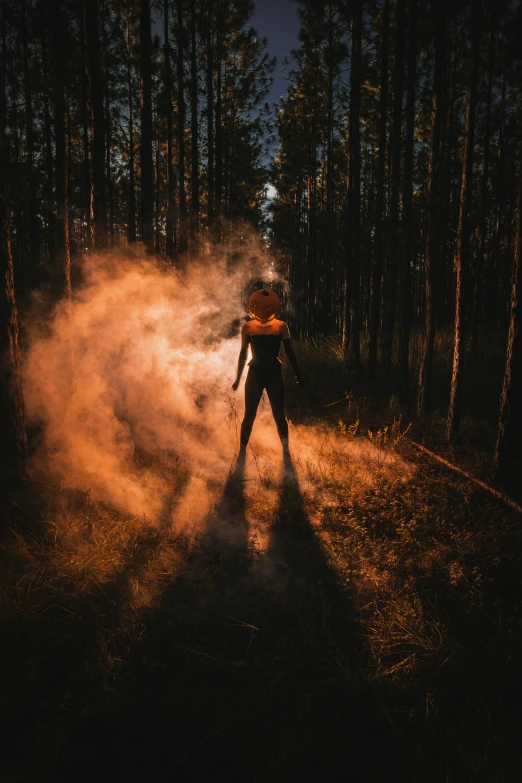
x=253 y=394
x=275 y=388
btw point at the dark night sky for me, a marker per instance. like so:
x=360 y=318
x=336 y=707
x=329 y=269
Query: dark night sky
x=277 y=20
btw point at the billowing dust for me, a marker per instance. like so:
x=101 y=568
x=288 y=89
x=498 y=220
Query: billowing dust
x=130 y=387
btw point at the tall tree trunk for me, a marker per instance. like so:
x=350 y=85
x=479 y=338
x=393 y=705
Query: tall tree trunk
x=146 y=164
x=98 y=124
x=108 y=131
x=354 y=186
x=86 y=158
x=157 y=199
x=407 y=213
x=390 y=297
x=495 y=263
x=219 y=135
x=463 y=251
x=311 y=258
x=432 y=255
x=327 y=254
x=378 y=252
x=13 y=443
x=210 y=112
x=131 y=230
x=56 y=20
x=50 y=220
x=508 y=449
x=171 y=185
x=194 y=116
x=31 y=191
x=479 y=266
x=181 y=128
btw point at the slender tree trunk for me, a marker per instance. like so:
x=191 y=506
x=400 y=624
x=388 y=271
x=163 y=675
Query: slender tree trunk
x=378 y=253
x=495 y=264
x=157 y=200
x=210 y=112
x=432 y=254
x=219 y=139
x=312 y=224
x=146 y=164
x=31 y=191
x=131 y=230
x=12 y=416
x=62 y=179
x=479 y=265
x=108 y=132
x=49 y=162
x=181 y=128
x=508 y=449
x=463 y=251
x=327 y=300
x=86 y=164
x=395 y=169
x=354 y=186
x=194 y=116
x=171 y=185
x=407 y=256
x=98 y=124
x=448 y=206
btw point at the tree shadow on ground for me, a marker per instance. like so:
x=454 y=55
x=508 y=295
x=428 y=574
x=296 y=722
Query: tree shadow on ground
x=250 y=669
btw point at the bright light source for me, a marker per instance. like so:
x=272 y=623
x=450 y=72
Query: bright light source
x=271 y=192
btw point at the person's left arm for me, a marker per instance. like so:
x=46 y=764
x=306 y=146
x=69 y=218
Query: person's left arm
x=245 y=339
x=289 y=350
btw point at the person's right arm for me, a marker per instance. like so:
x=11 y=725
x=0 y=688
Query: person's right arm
x=245 y=339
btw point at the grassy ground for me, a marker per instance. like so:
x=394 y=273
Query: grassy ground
x=374 y=634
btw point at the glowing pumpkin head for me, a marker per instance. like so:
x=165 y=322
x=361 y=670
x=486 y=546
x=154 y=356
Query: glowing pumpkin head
x=264 y=305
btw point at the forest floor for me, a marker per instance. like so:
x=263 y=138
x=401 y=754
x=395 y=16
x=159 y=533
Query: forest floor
x=352 y=617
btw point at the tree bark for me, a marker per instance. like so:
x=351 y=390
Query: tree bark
x=86 y=163
x=13 y=443
x=194 y=123
x=407 y=255
x=463 y=251
x=50 y=220
x=98 y=124
x=31 y=191
x=508 y=449
x=354 y=187
x=170 y=241
x=181 y=128
x=146 y=162
x=219 y=135
x=108 y=133
x=378 y=253
x=432 y=254
x=479 y=266
x=131 y=226
x=56 y=20
x=390 y=297
x=210 y=112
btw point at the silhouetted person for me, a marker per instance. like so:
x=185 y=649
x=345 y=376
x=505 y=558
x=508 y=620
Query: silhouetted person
x=264 y=334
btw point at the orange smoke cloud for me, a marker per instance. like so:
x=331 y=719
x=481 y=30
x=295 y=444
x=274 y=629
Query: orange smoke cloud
x=141 y=361
x=140 y=365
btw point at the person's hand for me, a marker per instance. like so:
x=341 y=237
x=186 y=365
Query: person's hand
x=235 y=384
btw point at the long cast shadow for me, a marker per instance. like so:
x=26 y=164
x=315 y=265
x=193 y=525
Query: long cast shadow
x=245 y=673
x=226 y=526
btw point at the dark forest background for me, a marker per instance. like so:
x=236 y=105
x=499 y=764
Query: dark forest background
x=333 y=610
x=395 y=156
